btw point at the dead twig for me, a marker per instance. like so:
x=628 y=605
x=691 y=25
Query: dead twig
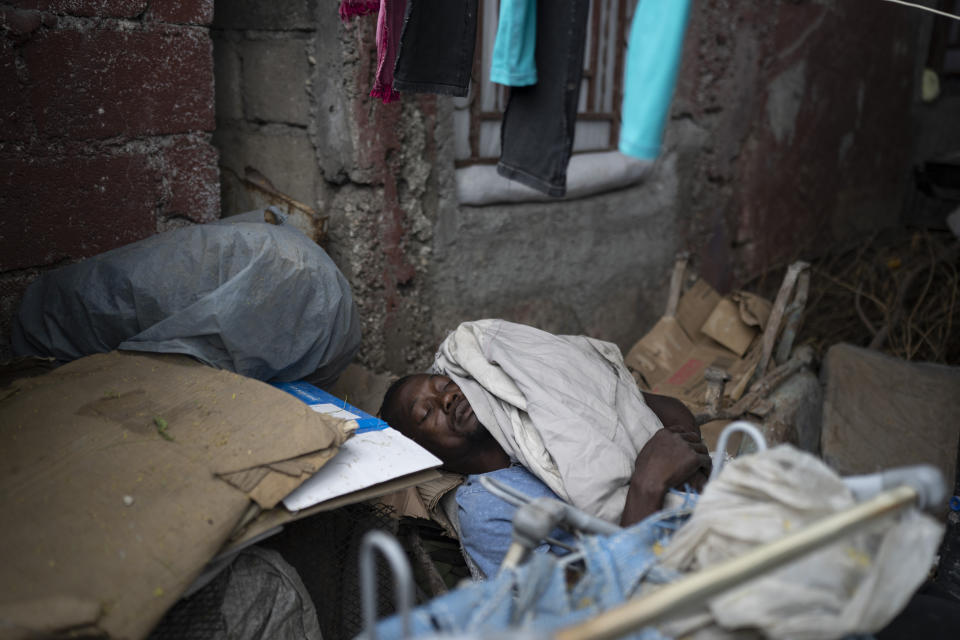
x=863 y=316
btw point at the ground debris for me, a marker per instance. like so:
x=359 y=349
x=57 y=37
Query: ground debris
x=897 y=291
x=162 y=428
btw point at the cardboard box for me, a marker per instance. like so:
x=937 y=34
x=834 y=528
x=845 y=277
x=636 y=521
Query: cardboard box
x=708 y=330
x=726 y=327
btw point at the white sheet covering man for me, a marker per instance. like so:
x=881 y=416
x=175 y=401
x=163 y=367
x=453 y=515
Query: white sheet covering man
x=555 y=416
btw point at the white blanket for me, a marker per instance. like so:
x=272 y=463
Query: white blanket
x=565 y=407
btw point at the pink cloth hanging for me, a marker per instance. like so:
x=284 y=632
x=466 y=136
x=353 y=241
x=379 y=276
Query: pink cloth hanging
x=351 y=8
x=389 y=26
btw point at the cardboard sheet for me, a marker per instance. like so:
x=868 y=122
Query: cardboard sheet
x=113 y=483
x=726 y=327
x=695 y=307
x=708 y=330
x=268 y=521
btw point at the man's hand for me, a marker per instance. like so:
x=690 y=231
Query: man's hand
x=699 y=477
x=675 y=416
x=672 y=413
x=672 y=457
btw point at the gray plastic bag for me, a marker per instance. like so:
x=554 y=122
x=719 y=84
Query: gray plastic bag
x=254 y=298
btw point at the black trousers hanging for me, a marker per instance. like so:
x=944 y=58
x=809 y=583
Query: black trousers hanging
x=536 y=136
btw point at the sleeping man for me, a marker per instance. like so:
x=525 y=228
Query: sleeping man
x=551 y=416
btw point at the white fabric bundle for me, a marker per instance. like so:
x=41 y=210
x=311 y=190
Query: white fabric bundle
x=857 y=584
x=565 y=407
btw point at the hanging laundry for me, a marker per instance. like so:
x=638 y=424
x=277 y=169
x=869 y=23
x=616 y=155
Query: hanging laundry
x=436 y=48
x=513 y=50
x=539 y=122
x=351 y=8
x=436 y=56
x=653 y=59
x=389 y=27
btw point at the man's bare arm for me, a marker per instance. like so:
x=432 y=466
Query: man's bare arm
x=668 y=460
x=674 y=456
x=671 y=412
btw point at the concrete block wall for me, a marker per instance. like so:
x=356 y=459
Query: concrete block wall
x=788 y=132
x=105 y=125
x=293 y=105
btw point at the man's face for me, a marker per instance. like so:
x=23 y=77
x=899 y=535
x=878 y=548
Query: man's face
x=433 y=412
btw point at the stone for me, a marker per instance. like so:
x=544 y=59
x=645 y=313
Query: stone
x=796 y=412
x=183 y=12
x=226 y=65
x=334 y=119
x=14 y=114
x=881 y=412
x=192 y=179
x=277 y=15
x=92 y=8
x=66 y=208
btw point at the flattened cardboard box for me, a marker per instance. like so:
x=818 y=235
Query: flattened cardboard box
x=672 y=357
x=122 y=474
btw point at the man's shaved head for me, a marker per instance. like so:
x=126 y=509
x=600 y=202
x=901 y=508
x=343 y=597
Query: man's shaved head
x=433 y=411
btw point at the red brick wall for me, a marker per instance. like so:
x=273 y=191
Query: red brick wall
x=106 y=110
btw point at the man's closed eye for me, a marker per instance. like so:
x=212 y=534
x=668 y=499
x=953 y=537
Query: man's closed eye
x=426 y=413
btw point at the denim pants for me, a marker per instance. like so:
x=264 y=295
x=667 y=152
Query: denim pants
x=536 y=136
x=436 y=47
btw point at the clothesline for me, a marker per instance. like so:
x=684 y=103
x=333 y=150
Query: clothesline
x=920 y=6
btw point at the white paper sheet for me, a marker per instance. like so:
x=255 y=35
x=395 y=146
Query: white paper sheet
x=364 y=460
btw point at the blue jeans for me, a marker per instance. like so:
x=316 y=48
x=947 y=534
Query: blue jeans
x=436 y=56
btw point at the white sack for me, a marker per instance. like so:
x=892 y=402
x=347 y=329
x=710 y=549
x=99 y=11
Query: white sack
x=855 y=585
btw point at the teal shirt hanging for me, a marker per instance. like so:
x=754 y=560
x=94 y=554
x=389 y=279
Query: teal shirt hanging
x=653 y=59
x=514 y=48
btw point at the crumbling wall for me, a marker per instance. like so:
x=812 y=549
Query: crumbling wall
x=105 y=117
x=788 y=132
x=293 y=106
x=803 y=110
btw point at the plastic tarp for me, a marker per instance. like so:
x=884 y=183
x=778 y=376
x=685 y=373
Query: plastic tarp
x=257 y=299
x=258 y=596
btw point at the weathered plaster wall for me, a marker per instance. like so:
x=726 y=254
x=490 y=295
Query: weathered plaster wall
x=804 y=107
x=595 y=266
x=105 y=117
x=790 y=130
x=293 y=105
